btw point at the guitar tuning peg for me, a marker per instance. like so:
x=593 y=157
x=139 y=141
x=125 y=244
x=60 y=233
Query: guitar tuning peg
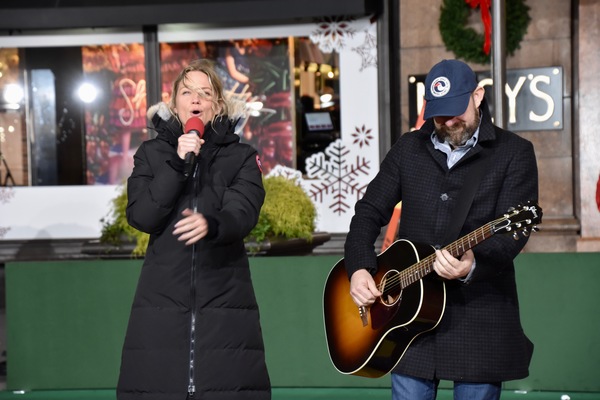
x=511 y=209
x=525 y=233
x=515 y=235
x=535 y=229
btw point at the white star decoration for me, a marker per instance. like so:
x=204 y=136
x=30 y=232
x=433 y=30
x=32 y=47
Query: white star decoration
x=367 y=51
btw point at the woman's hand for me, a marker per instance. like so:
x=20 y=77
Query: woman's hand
x=191 y=228
x=188 y=142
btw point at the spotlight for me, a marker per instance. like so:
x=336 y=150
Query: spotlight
x=87 y=92
x=326 y=98
x=13 y=93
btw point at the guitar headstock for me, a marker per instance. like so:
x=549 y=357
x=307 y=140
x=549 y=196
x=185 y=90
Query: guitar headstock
x=522 y=218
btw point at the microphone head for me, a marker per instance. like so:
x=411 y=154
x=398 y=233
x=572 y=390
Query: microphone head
x=196 y=125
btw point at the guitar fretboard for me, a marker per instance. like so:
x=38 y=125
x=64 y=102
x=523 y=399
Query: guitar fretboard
x=457 y=248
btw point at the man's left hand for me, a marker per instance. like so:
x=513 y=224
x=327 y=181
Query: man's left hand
x=448 y=267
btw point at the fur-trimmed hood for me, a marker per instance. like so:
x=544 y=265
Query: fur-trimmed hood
x=219 y=131
x=161 y=110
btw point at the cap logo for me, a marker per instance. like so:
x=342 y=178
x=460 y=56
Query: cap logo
x=440 y=86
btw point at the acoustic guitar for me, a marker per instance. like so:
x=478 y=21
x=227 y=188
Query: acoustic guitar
x=370 y=342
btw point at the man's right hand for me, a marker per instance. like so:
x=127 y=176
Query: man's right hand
x=363 y=289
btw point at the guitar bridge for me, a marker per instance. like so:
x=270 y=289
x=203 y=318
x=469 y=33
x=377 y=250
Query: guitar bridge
x=363 y=316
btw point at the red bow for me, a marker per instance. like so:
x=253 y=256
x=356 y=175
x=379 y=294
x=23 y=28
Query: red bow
x=486 y=18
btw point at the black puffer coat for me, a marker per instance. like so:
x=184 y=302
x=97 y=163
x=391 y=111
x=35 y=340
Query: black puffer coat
x=228 y=361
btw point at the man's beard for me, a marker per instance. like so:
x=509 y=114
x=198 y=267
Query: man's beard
x=459 y=133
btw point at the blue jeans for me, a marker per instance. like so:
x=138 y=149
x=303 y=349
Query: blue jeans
x=409 y=388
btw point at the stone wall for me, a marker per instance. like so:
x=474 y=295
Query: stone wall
x=549 y=41
x=587 y=100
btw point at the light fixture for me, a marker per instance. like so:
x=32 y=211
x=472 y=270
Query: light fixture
x=87 y=92
x=326 y=98
x=13 y=94
x=254 y=108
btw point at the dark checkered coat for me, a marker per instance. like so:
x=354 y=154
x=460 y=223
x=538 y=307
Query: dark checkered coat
x=479 y=338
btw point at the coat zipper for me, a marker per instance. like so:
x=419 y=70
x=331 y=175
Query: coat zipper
x=191 y=382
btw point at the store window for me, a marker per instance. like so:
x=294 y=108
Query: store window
x=86 y=105
x=317 y=91
x=72 y=114
x=290 y=89
x=13 y=146
x=114 y=93
x=256 y=71
x=313 y=90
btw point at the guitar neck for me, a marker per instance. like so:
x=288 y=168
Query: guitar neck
x=467 y=242
x=457 y=248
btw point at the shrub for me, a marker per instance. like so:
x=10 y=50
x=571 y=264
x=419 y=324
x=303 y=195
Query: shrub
x=286 y=213
x=115 y=228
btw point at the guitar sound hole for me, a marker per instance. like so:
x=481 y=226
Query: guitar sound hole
x=391 y=289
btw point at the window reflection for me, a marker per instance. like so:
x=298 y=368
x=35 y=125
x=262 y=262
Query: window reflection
x=317 y=108
x=256 y=71
x=55 y=114
x=43 y=111
x=13 y=160
x=86 y=106
x=116 y=118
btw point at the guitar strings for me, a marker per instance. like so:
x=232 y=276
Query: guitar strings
x=456 y=248
x=421 y=268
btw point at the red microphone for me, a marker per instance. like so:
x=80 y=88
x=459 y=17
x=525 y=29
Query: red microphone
x=193 y=125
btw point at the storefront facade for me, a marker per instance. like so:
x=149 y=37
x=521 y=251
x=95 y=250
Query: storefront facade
x=72 y=149
x=358 y=69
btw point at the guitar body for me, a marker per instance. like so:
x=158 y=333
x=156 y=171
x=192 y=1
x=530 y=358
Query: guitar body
x=395 y=320
x=413 y=299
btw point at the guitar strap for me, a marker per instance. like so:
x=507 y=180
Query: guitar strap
x=465 y=198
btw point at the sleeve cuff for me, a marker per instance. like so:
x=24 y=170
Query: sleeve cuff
x=467 y=279
x=213 y=227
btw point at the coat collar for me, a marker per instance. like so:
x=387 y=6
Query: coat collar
x=219 y=132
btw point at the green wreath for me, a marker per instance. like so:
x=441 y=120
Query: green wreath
x=467 y=44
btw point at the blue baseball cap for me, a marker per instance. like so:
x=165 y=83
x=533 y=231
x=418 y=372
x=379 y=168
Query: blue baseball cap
x=448 y=88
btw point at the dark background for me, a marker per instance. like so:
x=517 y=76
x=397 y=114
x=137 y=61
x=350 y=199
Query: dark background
x=50 y=14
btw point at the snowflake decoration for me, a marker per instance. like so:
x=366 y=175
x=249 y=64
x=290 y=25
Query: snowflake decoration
x=362 y=136
x=286 y=172
x=332 y=33
x=3 y=231
x=6 y=194
x=338 y=175
x=367 y=51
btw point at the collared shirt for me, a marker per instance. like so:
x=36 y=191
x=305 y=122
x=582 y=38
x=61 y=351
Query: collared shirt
x=454 y=155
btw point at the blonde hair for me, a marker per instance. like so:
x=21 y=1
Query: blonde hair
x=219 y=105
